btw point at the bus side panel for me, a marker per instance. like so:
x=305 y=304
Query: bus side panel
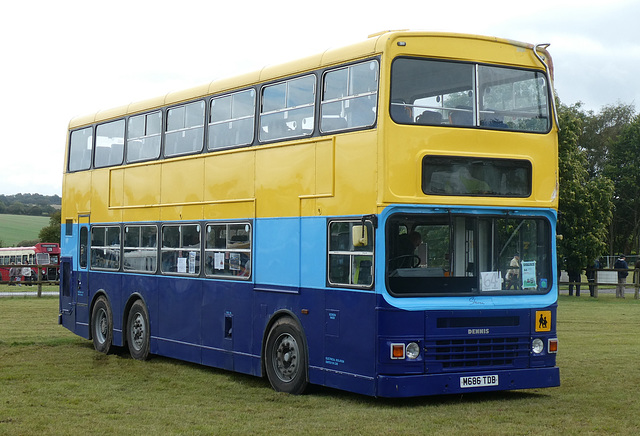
x=179 y=318
x=277 y=252
x=227 y=326
x=349 y=340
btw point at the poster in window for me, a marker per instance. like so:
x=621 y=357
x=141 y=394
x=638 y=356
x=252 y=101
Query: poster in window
x=192 y=262
x=218 y=261
x=490 y=281
x=182 y=265
x=529 y=274
x=234 y=261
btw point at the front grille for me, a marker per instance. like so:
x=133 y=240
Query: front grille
x=480 y=353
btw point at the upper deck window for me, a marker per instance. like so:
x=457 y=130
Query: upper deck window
x=80 y=149
x=350 y=97
x=185 y=129
x=287 y=109
x=431 y=92
x=231 y=121
x=109 y=144
x=143 y=137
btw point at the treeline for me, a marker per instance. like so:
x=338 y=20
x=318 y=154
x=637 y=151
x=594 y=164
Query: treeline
x=599 y=175
x=29 y=204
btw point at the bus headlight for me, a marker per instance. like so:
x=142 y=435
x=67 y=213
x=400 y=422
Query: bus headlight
x=537 y=346
x=413 y=350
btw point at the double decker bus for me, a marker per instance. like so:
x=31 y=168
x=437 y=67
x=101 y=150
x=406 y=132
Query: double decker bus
x=43 y=253
x=378 y=218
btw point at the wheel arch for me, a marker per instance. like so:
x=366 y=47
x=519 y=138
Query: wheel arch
x=275 y=317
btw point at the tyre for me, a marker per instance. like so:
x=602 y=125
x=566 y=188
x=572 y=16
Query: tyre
x=138 y=331
x=102 y=325
x=285 y=357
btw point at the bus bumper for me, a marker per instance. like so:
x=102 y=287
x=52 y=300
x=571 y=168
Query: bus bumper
x=464 y=383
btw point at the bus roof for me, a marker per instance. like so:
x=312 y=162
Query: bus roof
x=374 y=44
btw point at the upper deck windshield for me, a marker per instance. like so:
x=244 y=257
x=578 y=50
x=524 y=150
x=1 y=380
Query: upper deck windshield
x=459 y=254
x=435 y=92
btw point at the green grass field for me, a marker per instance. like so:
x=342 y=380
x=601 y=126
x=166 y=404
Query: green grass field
x=53 y=382
x=16 y=228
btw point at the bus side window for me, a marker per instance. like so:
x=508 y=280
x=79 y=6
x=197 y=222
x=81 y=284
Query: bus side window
x=350 y=97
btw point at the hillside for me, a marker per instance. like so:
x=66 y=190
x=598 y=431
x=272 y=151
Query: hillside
x=16 y=228
x=29 y=204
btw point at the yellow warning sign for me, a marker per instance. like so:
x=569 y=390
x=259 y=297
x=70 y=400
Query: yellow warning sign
x=543 y=320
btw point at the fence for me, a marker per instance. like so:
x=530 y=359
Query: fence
x=607 y=277
x=39 y=282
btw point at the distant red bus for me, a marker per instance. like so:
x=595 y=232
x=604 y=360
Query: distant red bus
x=43 y=253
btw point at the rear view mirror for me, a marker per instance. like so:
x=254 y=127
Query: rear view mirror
x=359 y=236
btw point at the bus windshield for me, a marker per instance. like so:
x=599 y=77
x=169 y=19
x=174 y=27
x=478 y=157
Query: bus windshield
x=444 y=254
x=433 y=92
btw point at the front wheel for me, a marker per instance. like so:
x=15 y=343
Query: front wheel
x=102 y=325
x=138 y=331
x=285 y=357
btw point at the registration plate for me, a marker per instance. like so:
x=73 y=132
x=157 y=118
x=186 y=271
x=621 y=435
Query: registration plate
x=479 y=381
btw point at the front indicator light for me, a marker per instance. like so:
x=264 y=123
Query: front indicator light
x=553 y=345
x=413 y=350
x=397 y=351
x=537 y=346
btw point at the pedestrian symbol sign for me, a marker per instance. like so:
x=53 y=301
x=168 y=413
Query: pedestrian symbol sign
x=543 y=320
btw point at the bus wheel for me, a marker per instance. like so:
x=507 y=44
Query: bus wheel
x=138 y=331
x=285 y=357
x=102 y=325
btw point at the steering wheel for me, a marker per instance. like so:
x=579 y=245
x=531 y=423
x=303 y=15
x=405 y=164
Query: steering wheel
x=411 y=260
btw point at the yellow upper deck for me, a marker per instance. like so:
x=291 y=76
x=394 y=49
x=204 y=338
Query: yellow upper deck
x=357 y=172
x=436 y=44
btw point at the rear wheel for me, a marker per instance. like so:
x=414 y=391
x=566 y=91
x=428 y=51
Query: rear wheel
x=102 y=325
x=138 y=331
x=285 y=357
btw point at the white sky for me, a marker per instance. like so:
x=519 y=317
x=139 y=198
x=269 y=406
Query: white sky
x=60 y=59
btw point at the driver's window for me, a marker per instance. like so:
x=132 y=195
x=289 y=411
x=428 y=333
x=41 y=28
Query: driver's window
x=351 y=249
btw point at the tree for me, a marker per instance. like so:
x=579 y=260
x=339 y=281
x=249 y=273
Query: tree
x=16 y=208
x=51 y=233
x=600 y=130
x=585 y=202
x=623 y=167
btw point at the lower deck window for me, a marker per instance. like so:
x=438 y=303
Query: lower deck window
x=140 y=248
x=105 y=247
x=431 y=254
x=181 y=249
x=351 y=253
x=228 y=250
